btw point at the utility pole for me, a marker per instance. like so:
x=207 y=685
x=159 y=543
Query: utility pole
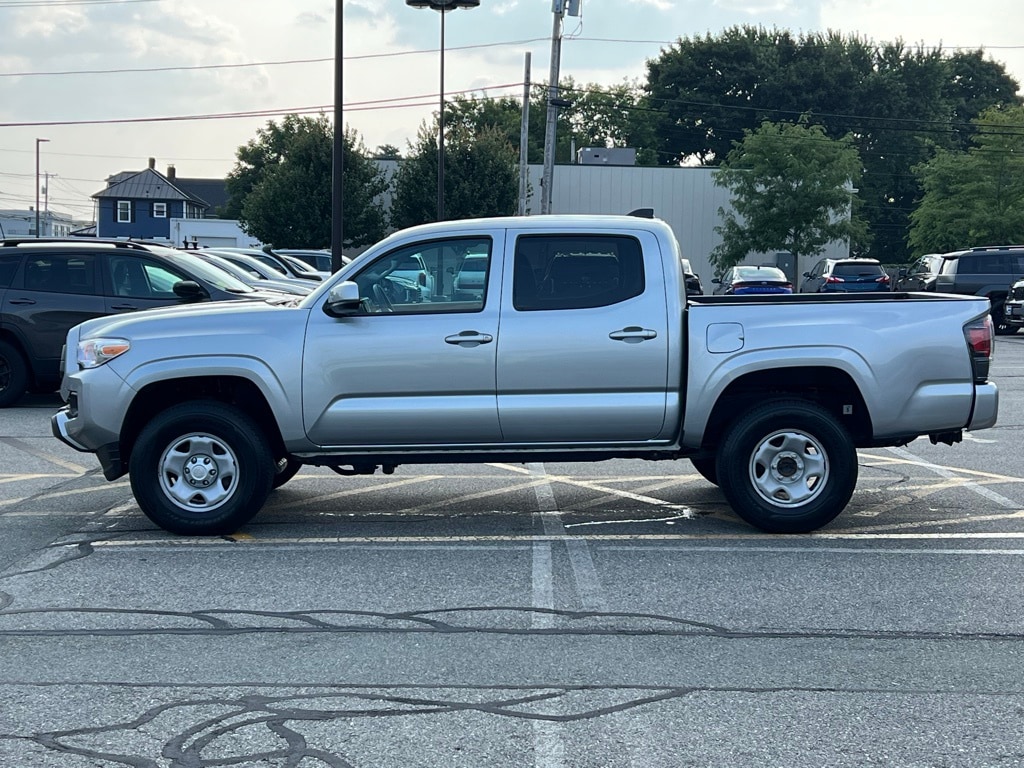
x=524 y=132
x=559 y=8
x=338 y=150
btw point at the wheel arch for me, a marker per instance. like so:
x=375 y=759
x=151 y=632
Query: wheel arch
x=237 y=391
x=832 y=388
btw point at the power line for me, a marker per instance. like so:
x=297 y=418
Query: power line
x=358 y=57
x=56 y=3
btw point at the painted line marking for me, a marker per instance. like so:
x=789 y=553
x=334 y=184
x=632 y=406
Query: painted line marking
x=254 y=539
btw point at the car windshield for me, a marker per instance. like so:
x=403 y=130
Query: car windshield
x=216 y=276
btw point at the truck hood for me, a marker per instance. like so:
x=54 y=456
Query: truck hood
x=188 y=320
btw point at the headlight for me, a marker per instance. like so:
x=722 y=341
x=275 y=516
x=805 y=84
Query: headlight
x=96 y=352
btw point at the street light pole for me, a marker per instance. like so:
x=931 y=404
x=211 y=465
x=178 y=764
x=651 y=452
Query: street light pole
x=38 y=142
x=443 y=6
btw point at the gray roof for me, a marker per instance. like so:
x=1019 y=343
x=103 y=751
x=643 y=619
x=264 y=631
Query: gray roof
x=213 y=192
x=149 y=184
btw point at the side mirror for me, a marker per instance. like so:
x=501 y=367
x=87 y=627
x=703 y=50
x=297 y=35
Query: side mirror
x=189 y=290
x=902 y=272
x=716 y=281
x=807 y=274
x=343 y=300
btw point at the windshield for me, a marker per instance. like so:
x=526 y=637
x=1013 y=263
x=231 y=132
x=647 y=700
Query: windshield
x=213 y=275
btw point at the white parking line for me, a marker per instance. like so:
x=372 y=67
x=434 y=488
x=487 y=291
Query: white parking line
x=945 y=472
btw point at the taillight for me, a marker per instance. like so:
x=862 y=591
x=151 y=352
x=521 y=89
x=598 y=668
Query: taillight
x=834 y=279
x=979 y=334
x=883 y=279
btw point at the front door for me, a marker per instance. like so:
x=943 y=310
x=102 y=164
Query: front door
x=412 y=368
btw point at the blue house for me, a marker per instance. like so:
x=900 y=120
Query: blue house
x=141 y=204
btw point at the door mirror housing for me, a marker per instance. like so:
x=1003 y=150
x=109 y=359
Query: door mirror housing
x=343 y=300
x=189 y=290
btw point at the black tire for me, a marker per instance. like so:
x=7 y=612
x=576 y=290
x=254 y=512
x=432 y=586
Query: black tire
x=787 y=466
x=13 y=375
x=286 y=470
x=707 y=468
x=232 y=469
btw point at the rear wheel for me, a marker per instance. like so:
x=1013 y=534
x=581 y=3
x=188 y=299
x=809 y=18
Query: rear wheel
x=787 y=466
x=286 y=468
x=13 y=374
x=201 y=469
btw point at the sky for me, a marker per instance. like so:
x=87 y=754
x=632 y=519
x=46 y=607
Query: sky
x=107 y=82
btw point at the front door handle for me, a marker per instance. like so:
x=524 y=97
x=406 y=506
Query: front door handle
x=123 y=307
x=633 y=334
x=469 y=338
x=21 y=301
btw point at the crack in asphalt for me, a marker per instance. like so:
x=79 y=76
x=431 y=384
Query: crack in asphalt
x=271 y=726
x=217 y=622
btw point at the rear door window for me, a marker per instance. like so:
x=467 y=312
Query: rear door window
x=575 y=272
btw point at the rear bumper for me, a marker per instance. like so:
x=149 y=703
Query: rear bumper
x=986 y=406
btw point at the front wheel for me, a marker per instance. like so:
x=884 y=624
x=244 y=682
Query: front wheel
x=13 y=375
x=787 y=466
x=201 y=469
x=707 y=468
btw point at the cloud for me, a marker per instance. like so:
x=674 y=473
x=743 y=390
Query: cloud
x=755 y=7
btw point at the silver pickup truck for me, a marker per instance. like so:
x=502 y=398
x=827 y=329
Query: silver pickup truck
x=578 y=343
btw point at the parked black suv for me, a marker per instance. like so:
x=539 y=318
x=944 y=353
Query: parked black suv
x=47 y=286
x=988 y=271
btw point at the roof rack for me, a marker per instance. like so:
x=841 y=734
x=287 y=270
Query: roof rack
x=134 y=245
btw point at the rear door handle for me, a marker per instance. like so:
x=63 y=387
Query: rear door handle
x=469 y=339
x=123 y=307
x=633 y=334
x=21 y=301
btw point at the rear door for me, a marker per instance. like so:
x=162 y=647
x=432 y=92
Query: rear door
x=583 y=350
x=55 y=291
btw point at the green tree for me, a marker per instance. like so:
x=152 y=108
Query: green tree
x=597 y=116
x=974 y=197
x=792 y=190
x=280 y=187
x=898 y=103
x=481 y=177
x=387 y=152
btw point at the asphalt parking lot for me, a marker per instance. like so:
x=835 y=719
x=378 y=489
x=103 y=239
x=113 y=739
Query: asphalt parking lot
x=612 y=614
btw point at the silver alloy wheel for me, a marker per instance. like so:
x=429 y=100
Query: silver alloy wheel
x=789 y=468
x=198 y=472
